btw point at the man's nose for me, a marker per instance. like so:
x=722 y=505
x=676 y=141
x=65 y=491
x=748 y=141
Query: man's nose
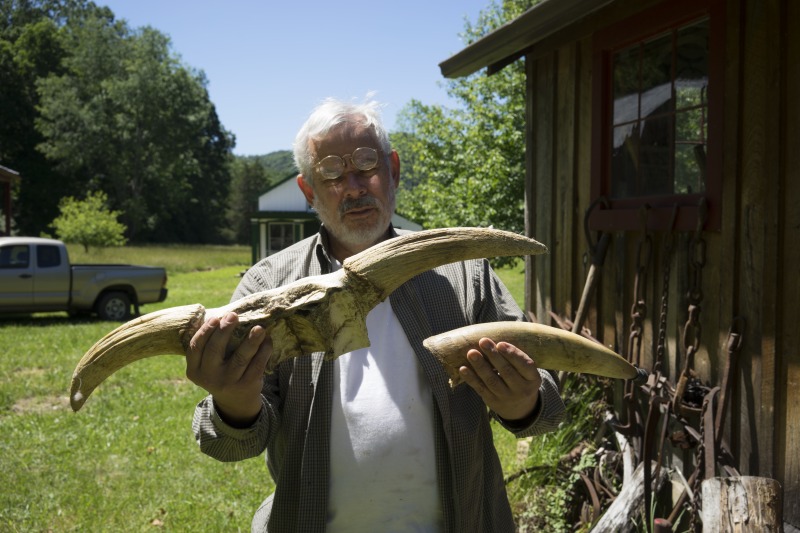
x=354 y=179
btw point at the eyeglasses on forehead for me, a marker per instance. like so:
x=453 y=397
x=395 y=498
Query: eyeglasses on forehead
x=332 y=166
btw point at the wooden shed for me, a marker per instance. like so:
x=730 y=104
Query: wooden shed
x=669 y=130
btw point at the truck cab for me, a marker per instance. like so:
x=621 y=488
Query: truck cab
x=36 y=276
x=35 y=273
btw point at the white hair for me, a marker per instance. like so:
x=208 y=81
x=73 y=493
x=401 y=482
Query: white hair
x=330 y=113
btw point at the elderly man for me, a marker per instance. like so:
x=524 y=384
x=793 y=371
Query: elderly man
x=375 y=440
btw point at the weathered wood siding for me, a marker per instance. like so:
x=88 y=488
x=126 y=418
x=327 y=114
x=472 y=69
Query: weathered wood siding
x=752 y=262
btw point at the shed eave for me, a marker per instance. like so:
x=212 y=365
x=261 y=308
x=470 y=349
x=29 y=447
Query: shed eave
x=508 y=42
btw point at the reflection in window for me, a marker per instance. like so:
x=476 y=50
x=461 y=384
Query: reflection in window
x=14 y=256
x=660 y=110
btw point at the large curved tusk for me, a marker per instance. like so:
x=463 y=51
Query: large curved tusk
x=318 y=313
x=551 y=349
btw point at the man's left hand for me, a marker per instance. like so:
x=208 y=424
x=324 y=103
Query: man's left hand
x=505 y=377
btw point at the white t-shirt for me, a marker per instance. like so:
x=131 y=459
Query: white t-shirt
x=383 y=464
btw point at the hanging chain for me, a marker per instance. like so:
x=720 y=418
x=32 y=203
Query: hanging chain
x=644 y=251
x=662 y=316
x=689 y=392
x=699 y=459
x=692 y=329
x=691 y=343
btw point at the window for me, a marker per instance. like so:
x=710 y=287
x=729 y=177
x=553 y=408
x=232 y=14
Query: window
x=281 y=235
x=48 y=256
x=14 y=256
x=657 y=122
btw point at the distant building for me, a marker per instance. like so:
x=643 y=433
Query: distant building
x=284 y=218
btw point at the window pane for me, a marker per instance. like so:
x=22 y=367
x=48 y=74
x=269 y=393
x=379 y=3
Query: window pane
x=626 y=85
x=624 y=161
x=47 y=256
x=280 y=236
x=691 y=76
x=654 y=151
x=657 y=63
x=14 y=256
x=690 y=152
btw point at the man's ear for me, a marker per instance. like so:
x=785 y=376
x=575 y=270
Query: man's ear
x=394 y=161
x=308 y=190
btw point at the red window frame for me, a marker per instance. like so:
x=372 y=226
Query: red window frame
x=625 y=214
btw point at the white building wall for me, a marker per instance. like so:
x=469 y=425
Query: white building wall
x=285 y=197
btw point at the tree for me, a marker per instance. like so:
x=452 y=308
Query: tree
x=251 y=176
x=467 y=165
x=128 y=118
x=89 y=104
x=89 y=222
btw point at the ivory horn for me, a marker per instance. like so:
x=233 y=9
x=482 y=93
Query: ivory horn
x=319 y=313
x=551 y=348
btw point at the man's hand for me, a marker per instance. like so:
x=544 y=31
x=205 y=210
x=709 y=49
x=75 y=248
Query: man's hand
x=505 y=377
x=233 y=377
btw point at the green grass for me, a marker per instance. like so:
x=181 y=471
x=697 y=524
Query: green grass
x=174 y=257
x=127 y=461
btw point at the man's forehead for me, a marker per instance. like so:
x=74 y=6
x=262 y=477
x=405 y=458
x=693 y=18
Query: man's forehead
x=345 y=137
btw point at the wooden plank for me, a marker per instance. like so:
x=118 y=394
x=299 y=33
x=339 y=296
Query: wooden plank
x=790 y=311
x=543 y=171
x=753 y=236
x=564 y=215
x=583 y=165
x=770 y=429
x=532 y=289
x=731 y=204
x=613 y=309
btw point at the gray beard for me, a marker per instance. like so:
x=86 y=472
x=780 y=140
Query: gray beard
x=360 y=236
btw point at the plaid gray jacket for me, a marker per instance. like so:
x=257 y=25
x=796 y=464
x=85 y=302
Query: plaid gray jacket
x=294 y=424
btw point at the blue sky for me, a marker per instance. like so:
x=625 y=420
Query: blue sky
x=269 y=62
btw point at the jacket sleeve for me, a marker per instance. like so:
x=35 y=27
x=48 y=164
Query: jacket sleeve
x=224 y=442
x=498 y=304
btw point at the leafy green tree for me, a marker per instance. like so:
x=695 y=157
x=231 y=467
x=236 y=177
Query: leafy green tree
x=249 y=180
x=89 y=104
x=130 y=119
x=252 y=176
x=89 y=222
x=466 y=166
x=29 y=48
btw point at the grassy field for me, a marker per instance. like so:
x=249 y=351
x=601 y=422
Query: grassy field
x=127 y=461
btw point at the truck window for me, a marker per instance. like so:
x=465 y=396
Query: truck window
x=14 y=256
x=48 y=256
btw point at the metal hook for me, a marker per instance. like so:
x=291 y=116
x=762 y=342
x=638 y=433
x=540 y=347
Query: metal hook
x=702 y=215
x=599 y=200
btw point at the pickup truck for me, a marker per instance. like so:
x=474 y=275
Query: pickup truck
x=36 y=276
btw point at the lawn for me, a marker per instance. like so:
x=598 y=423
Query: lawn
x=127 y=461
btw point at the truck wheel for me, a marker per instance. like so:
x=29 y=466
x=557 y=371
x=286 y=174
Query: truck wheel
x=115 y=306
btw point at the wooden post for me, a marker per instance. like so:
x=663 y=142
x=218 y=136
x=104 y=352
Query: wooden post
x=739 y=504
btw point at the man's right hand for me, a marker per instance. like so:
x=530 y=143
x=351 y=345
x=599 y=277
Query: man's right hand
x=234 y=378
